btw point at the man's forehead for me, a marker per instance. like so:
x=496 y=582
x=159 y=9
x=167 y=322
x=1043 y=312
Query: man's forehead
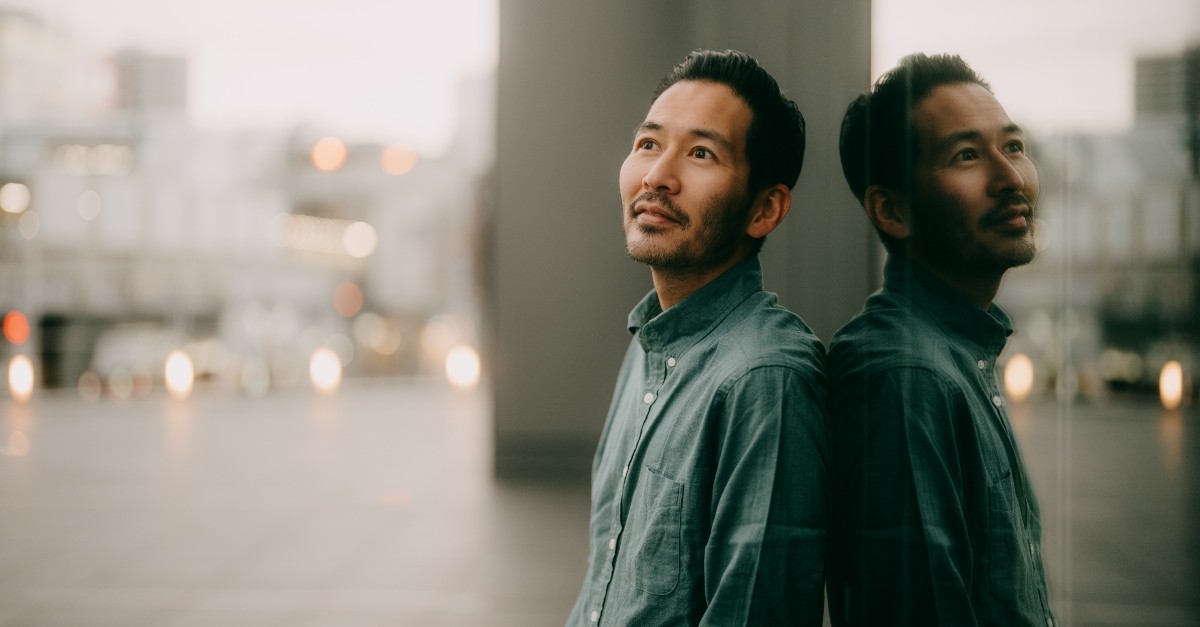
x=960 y=109
x=699 y=104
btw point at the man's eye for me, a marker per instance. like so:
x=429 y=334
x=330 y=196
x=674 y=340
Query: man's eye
x=645 y=144
x=967 y=154
x=1017 y=147
x=702 y=153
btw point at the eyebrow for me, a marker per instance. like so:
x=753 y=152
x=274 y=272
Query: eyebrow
x=953 y=138
x=703 y=133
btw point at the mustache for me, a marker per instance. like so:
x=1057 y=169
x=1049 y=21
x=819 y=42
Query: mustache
x=663 y=201
x=1004 y=208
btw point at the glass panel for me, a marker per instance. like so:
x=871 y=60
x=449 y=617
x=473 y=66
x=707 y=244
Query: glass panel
x=1102 y=372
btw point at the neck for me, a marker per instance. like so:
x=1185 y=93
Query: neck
x=980 y=288
x=675 y=284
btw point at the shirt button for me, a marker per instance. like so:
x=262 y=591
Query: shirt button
x=982 y=364
x=612 y=543
x=1032 y=549
x=595 y=616
x=670 y=362
x=649 y=397
x=1049 y=622
x=625 y=471
x=996 y=400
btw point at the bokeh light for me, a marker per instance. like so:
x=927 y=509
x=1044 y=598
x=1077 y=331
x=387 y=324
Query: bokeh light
x=1018 y=377
x=329 y=154
x=20 y=378
x=89 y=205
x=16 y=327
x=359 y=240
x=397 y=160
x=347 y=299
x=90 y=386
x=370 y=330
x=439 y=336
x=180 y=374
x=462 y=367
x=325 y=370
x=1170 y=385
x=14 y=197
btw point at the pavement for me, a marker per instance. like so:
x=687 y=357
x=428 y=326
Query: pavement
x=377 y=506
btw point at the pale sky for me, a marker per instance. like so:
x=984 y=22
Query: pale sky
x=1055 y=65
x=387 y=70
x=364 y=69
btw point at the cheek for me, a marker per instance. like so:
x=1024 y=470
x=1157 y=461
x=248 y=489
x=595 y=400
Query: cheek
x=631 y=178
x=1032 y=182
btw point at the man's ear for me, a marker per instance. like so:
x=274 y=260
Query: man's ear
x=888 y=211
x=771 y=206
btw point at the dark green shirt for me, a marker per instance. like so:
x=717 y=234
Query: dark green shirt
x=935 y=519
x=709 y=486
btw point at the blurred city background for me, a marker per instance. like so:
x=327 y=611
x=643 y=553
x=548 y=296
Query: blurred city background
x=311 y=310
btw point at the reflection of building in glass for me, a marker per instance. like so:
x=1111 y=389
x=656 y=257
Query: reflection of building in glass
x=1122 y=235
x=138 y=234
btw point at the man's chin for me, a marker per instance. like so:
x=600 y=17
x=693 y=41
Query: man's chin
x=645 y=252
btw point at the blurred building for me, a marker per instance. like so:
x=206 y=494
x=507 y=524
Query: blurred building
x=151 y=82
x=139 y=234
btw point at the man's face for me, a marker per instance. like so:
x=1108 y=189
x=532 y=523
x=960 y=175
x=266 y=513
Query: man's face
x=975 y=188
x=684 y=185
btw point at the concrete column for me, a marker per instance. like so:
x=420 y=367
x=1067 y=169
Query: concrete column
x=574 y=79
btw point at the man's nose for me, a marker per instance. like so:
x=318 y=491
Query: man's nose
x=662 y=175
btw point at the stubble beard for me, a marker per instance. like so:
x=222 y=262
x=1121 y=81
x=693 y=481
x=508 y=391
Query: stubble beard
x=956 y=246
x=714 y=236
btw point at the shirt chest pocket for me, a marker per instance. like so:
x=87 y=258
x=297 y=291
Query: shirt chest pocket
x=655 y=524
x=1009 y=563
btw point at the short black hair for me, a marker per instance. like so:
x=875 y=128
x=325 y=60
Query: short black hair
x=878 y=144
x=775 y=140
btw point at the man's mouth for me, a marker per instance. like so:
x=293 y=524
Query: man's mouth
x=655 y=212
x=1015 y=214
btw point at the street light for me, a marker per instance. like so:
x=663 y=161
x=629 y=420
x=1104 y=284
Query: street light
x=1170 y=385
x=462 y=367
x=1018 y=377
x=20 y=378
x=325 y=370
x=180 y=375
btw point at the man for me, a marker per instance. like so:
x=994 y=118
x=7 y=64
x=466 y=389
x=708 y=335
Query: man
x=935 y=519
x=709 y=495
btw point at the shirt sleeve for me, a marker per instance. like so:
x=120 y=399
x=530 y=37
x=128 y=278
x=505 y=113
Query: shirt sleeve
x=902 y=547
x=764 y=559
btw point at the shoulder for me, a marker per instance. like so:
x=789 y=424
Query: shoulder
x=760 y=333
x=889 y=333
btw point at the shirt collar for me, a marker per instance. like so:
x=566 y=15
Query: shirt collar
x=950 y=309
x=692 y=318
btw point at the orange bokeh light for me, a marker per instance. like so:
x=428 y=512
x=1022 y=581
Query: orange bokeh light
x=329 y=154
x=397 y=160
x=16 y=327
x=347 y=298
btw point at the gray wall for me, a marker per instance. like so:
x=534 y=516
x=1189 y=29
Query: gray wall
x=574 y=79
